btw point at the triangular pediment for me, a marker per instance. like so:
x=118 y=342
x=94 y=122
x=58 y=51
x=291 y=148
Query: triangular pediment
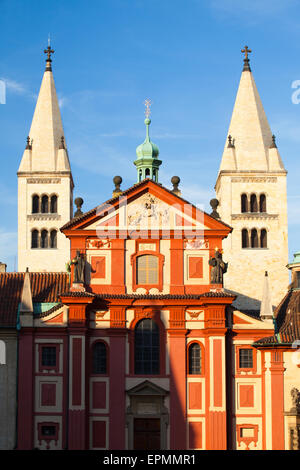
x=146 y=206
x=147 y=388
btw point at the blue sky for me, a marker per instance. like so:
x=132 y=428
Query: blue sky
x=112 y=54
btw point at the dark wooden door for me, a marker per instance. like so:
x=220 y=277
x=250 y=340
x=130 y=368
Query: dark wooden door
x=146 y=434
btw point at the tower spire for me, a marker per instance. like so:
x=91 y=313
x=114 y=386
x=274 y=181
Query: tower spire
x=46 y=130
x=147 y=163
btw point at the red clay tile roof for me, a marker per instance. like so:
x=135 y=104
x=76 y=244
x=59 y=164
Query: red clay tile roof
x=148 y=296
x=45 y=287
x=287 y=316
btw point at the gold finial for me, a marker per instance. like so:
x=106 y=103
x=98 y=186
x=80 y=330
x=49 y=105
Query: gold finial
x=147 y=104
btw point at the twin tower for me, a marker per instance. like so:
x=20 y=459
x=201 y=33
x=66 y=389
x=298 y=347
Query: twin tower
x=250 y=188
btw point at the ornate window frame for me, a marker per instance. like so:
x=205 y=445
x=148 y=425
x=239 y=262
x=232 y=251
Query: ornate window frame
x=140 y=252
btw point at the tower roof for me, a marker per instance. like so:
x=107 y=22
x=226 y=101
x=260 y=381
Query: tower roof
x=147 y=163
x=147 y=149
x=46 y=130
x=249 y=127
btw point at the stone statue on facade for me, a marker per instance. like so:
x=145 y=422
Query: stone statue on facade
x=79 y=268
x=295 y=394
x=218 y=268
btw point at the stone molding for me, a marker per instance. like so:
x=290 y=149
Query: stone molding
x=43 y=217
x=44 y=180
x=254 y=179
x=254 y=216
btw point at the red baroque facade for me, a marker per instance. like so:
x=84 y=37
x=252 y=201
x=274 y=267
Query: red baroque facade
x=146 y=353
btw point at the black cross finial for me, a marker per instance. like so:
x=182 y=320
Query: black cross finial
x=28 y=146
x=246 y=51
x=62 y=142
x=273 y=144
x=48 y=51
x=230 y=142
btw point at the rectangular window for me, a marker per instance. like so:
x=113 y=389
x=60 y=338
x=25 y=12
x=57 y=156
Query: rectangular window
x=49 y=356
x=147 y=269
x=245 y=358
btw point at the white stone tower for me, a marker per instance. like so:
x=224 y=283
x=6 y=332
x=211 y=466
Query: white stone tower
x=251 y=189
x=45 y=186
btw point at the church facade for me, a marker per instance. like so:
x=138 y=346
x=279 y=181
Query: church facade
x=157 y=336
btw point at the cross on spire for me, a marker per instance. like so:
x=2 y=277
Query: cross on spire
x=246 y=51
x=147 y=104
x=48 y=51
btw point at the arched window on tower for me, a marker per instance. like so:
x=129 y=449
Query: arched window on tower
x=263 y=238
x=253 y=203
x=34 y=239
x=245 y=238
x=154 y=175
x=53 y=204
x=45 y=204
x=194 y=356
x=44 y=239
x=147 y=172
x=140 y=175
x=146 y=347
x=244 y=203
x=254 y=238
x=99 y=358
x=53 y=239
x=262 y=203
x=35 y=204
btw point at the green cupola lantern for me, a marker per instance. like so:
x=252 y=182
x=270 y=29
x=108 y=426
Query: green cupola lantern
x=147 y=163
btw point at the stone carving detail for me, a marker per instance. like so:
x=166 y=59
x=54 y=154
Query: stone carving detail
x=196 y=244
x=43 y=217
x=43 y=180
x=194 y=313
x=254 y=216
x=254 y=179
x=96 y=244
x=148 y=207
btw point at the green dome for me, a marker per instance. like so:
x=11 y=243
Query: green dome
x=147 y=149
